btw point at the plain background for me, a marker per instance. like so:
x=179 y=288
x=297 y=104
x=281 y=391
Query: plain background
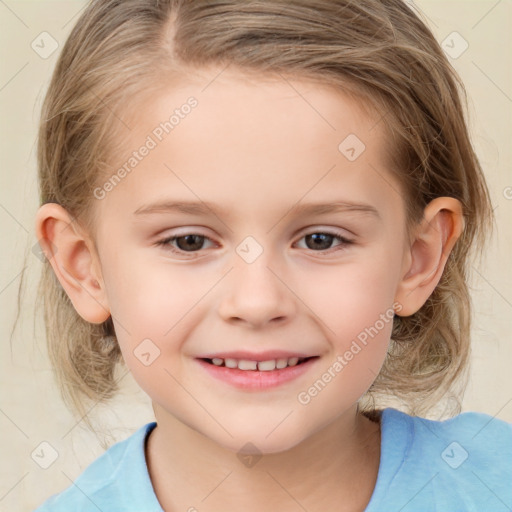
x=31 y=410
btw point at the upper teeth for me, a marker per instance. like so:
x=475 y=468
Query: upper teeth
x=244 y=364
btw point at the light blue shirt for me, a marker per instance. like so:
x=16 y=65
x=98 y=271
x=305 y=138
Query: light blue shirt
x=456 y=465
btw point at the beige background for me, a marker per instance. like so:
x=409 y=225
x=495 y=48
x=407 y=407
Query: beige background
x=31 y=410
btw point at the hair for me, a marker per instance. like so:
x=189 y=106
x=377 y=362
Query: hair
x=379 y=52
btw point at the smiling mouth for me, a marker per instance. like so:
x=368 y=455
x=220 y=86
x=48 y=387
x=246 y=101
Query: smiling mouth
x=254 y=366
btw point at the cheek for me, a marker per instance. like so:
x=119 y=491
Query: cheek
x=151 y=298
x=355 y=304
x=353 y=295
x=152 y=307
x=357 y=312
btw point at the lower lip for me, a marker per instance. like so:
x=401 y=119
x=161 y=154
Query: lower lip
x=255 y=379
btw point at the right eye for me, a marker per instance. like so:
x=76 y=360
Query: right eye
x=182 y=244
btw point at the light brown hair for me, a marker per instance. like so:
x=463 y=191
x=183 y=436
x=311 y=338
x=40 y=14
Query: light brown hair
x=378 y=51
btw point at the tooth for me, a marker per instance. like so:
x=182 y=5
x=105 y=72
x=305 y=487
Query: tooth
x=266 y=366
x=244 y=364
x=282 y=363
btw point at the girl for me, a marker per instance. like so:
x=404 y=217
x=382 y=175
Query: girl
x=265 y=209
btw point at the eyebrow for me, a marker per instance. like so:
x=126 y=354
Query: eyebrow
x=204 y=208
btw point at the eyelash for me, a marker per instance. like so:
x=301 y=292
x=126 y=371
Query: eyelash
x=337 y=235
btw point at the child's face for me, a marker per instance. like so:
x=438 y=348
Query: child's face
x=255 y=152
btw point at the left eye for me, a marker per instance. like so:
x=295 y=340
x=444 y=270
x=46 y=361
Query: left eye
x=322 y=241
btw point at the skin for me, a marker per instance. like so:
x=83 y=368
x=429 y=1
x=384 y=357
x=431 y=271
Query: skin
x=256 y=149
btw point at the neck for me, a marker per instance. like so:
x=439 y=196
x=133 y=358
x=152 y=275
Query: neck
x=334 y=469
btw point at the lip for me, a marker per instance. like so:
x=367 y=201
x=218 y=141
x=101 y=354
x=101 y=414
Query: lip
x=260 y=356
x=255 y=380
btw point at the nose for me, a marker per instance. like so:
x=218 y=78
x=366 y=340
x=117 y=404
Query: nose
x=256 y=295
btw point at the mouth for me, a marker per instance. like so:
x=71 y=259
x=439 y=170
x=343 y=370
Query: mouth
x=257 y=366
x=257 y=376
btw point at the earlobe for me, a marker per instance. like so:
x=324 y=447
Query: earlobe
x=426 y=258
x=74 y=260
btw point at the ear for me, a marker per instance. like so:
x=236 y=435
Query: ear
x=426 y=258
x=74 y=260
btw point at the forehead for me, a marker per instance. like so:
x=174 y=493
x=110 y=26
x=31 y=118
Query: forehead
x=232 y=104
x=213 y=135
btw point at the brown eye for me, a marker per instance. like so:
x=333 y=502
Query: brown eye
x=189 y=243
x=322 y=242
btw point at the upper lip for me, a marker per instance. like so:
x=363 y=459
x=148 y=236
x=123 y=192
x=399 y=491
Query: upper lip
x=260 y=356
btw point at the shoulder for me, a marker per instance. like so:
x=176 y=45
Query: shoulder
x=462 y=463
x=474 y=428
x=471 y=438
x=109 y=481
